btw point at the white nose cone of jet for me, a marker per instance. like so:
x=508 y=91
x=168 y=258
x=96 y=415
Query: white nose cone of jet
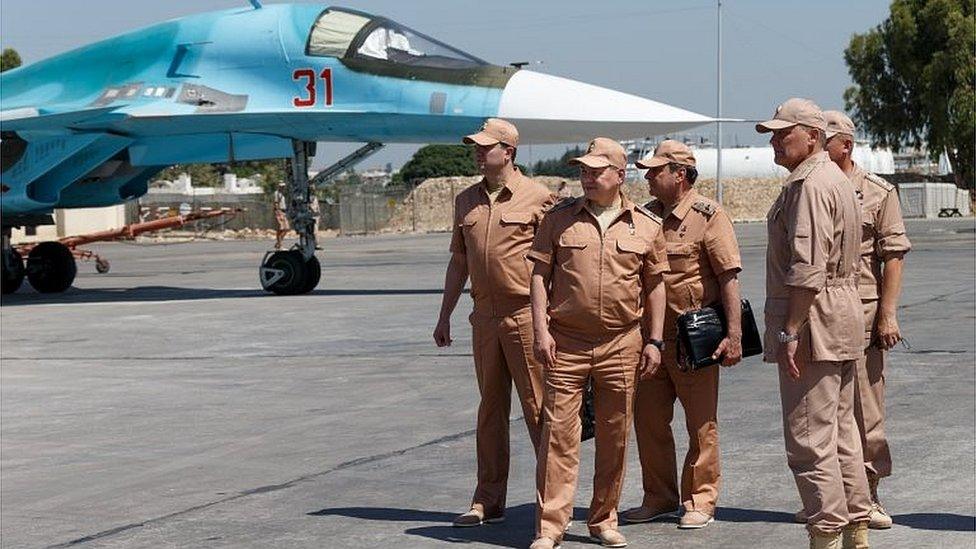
x=550 y=109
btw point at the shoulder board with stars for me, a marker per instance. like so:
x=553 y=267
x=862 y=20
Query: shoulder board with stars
x=562 y=204
x=649 y=213
x=704 y=208
x=879 y=181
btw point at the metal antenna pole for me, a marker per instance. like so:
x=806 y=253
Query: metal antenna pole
x=719 y=190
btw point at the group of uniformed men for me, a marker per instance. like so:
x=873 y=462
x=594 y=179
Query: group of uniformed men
x=588 y=290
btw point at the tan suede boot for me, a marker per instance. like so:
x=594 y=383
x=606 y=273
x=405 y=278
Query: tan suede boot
x=879 y=519
x=825 y=541
x=855 y=536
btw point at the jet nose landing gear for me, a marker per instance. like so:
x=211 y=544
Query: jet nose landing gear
x=296 y=271
x=288 y=273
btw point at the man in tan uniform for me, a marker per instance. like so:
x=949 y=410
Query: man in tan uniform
x=598 y=311
x=883 y=248
x=495 y=221
x=814 y=325
x=704 y=258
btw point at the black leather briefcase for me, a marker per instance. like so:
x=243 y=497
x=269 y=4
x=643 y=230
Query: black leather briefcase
x=588 y=413
x=701 y=331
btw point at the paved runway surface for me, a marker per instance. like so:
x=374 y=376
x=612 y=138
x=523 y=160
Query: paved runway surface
x=169 y=403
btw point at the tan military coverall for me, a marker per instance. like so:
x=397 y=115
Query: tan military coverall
x=596 y=308
x=701 y=245
x=814 y=232
x=495 y=238
x=883 y=236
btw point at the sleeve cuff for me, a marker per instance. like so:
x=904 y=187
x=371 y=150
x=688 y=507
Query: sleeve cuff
x=541 y=257
x=808 y=277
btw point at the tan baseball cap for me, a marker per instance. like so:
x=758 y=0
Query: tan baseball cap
x=838 y=122
x=667 y=152
x=494 y=131
x=794 y=111
x=603 y=152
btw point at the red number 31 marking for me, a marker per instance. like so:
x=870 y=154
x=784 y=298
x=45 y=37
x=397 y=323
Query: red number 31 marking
x=309 y=76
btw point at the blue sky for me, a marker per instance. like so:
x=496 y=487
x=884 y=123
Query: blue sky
x=662 y=50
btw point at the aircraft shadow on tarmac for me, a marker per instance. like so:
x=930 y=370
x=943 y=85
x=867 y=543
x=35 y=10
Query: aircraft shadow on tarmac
x=170 y=293
x=948 y=522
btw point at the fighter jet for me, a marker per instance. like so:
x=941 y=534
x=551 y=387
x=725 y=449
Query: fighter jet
x=92 y=126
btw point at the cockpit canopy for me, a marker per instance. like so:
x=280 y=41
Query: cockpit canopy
x=377 y=45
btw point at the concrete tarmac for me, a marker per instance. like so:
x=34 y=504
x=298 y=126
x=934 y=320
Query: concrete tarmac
x=172 y=403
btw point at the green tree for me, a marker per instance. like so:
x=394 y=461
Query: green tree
x=202 y=175
x=269 y=172
x=9 y=59
x=438 y=161
x=914 y=81
x=559 y=166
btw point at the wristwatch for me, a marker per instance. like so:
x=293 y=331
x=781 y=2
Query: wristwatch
x=788 y=338
x=657 y=343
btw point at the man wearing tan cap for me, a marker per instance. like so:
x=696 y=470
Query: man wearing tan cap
x=495 y=221
x=704 y=257
x=883 y=248
x=814 y=325
x=598 y=311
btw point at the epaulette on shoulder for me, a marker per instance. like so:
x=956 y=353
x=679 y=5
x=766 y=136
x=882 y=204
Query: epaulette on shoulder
x=707 y=209
x=649 y=213
x=880 y=181
x=564 y=203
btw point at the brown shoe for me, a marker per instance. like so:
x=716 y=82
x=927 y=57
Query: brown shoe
x=544 y=543
x=694 y=520
x=610 y=538
x=800 y=517
x=855 y=536
x=647 y=514
x=476 y=517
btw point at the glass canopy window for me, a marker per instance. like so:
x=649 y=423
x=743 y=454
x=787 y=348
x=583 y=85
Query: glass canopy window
x=341 y=33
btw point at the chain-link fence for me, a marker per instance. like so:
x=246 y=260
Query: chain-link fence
x=364 y=210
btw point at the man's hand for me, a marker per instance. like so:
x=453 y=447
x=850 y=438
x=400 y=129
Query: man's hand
x=544 y=349
x=650 y=361
x=442 y=333
x=887 y=334
x=729 y=350
x=786 y=358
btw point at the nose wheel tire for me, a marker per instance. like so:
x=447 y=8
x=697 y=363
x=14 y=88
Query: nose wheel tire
x=13 y=271
x=51 y=267
x=287 y=273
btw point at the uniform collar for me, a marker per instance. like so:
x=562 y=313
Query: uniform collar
x=512 y=184
x=682 y=208
x=857 y=176
x=625 y=205
x=807 y=166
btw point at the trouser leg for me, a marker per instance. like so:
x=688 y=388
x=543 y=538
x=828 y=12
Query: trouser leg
x=810 y=413
x=653 y=412
x=524 y=370
x=849 y=450
x=557 y=470
x=869 y=403
x=614 y=372
x=700 y=476
x=495 y=386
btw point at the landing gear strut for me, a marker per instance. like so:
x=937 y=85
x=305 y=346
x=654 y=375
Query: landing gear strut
x=296 y=271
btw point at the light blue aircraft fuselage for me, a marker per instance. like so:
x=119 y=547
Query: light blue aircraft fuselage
x=90 y=127
x=237 y=83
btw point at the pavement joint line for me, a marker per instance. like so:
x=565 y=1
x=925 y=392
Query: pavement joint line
x=269 y=488
x=214 y=357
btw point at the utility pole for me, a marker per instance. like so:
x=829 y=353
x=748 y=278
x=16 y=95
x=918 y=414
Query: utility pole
x=719 y=191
